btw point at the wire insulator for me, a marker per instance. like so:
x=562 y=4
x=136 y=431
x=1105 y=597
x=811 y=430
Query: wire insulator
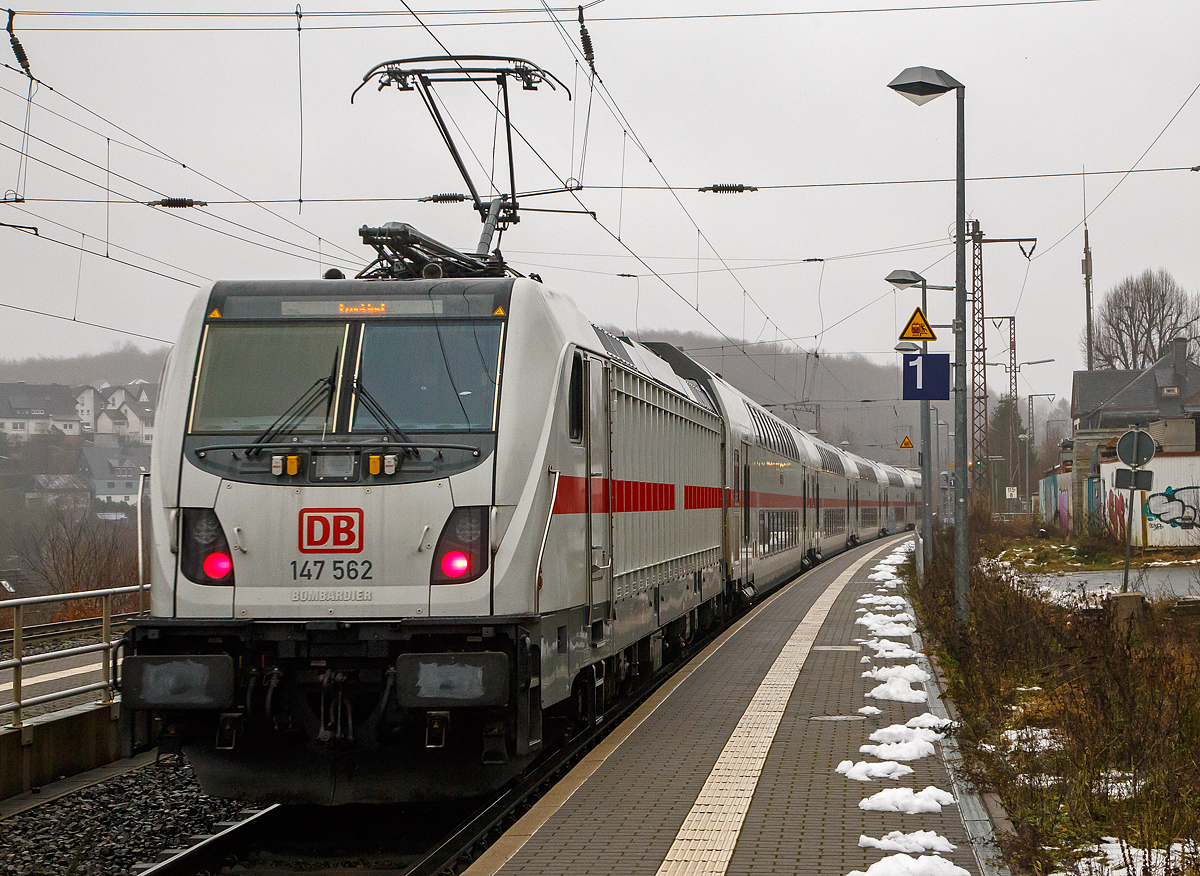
x=447 y=198
x=586 y=38
x=178 y=203
x=17 y=48
x=729 y=188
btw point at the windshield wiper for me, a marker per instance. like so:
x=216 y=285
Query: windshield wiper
x=321 y=390
x=375 y=409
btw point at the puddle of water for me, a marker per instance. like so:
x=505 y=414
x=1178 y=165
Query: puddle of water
x=1157 y=582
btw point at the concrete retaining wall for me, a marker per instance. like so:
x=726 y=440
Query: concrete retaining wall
x=60 y=744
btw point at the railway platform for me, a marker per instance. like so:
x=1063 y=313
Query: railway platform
x=751 y=761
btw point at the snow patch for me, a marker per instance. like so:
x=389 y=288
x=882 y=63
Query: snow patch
x=910 y=672
x=864 y=772
x=902 y=733
x=877 y=599
x=909 y=749
x=897 y=689
x=904 y=865
x=907 y=801
x=898 y=841
x=886 y=649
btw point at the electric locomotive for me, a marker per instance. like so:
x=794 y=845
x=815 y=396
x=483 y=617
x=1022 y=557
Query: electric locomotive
x=410 y=529
x=405 y=530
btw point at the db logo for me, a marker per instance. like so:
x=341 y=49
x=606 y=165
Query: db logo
x=331 y=530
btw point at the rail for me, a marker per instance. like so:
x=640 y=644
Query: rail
x=47 y=632
x=19 y=661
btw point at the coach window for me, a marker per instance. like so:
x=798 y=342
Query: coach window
x=575 y=401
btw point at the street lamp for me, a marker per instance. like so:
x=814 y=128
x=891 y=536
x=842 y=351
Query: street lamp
x=903 y=279
x=1032 y=432
x=921 y=85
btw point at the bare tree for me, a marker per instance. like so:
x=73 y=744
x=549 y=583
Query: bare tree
x=1138 y=318
x=71 y=550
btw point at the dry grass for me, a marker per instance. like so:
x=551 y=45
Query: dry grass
x=1084 y=729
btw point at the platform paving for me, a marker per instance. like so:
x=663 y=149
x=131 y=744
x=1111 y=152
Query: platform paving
x=720 y=773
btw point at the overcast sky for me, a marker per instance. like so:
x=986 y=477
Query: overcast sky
x=694 y=93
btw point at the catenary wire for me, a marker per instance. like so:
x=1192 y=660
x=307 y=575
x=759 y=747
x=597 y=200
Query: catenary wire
x=281 y=26
x=1125 y=176
x=354 y=257
x=132 y=200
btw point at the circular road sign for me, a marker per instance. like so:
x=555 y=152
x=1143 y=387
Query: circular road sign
x=1135 y=448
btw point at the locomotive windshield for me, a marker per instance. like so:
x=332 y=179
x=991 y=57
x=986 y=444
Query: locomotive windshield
x=426 y=376
x=251 y=374
x=430 y=376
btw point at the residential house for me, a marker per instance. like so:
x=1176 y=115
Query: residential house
x=88 y=402
x=1163 y=399
x=37 y=409
x=113 y=469
x=128 y=411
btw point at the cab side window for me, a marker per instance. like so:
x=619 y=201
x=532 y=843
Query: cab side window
x=575 y=401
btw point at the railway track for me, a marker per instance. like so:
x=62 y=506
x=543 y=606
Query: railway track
x=58 y=630
x=464 y=832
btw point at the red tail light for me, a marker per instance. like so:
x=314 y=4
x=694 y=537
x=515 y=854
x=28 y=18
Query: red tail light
x=217 y=565
x=455 y=564
x=204 y=555
x=462 y=548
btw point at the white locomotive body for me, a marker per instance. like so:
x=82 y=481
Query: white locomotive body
x=406 y=533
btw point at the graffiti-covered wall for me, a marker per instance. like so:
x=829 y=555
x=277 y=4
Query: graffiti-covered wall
x=1055 y=500
x=1168 y=515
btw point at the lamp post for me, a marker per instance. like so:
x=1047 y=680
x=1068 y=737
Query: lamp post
x=1024 y=439
x=1032 y=431
x=921 y=85
x=926 y=513
x=953 y=477
x=903 y=280
x=937 y=442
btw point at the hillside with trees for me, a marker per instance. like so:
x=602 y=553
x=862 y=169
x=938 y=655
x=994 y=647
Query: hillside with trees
x=120 y=365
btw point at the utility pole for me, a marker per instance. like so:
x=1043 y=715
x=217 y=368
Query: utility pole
x=1087 y=285
x=981 y=482
x=1012 y=394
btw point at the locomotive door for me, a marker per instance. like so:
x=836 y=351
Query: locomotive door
x=599 y=494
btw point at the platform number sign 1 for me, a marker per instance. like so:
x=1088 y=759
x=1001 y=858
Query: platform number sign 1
x=926 y=376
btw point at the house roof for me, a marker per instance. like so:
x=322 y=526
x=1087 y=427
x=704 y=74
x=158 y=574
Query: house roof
x=1115 y=398
x=142 y=411
x=57 y=483
x=52 y=400
x=102 y=462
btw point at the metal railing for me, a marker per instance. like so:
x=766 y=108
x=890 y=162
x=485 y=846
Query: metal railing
x=19 y=661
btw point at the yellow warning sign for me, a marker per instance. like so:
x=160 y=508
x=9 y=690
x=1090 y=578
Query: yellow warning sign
x=499 y=311
x=906 y=444
x=216 y=314
x=918 y=328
